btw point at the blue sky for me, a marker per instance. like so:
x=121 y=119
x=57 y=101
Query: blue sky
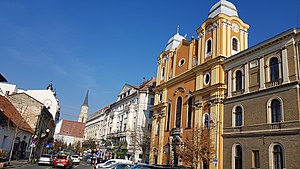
x=101 y=45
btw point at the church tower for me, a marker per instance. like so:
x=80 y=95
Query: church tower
x=84 y=109
x=221 y=35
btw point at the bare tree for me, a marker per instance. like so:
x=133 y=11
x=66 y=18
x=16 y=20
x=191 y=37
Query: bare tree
x=77 y=147
x=141 y=139
x=196 y=147
x=59 y=145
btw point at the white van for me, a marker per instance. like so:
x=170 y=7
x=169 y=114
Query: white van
x=113 y=161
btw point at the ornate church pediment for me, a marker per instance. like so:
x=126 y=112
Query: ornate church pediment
x=179 y=89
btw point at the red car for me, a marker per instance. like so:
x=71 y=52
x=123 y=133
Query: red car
x=62 y=161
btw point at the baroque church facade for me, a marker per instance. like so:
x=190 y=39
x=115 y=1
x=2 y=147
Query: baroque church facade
x=248 y=99
x=190 y=85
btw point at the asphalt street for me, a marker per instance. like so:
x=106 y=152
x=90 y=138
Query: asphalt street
x=82 y=165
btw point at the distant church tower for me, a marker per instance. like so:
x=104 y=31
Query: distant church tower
x=84 y=109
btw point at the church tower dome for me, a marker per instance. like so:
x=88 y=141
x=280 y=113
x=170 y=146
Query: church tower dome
x=174 y=41
x=223 y=7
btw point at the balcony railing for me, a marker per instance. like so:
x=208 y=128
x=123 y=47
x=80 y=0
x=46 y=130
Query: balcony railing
x=274 y=83
x=275 y=126
x=176 y=131
x=263 y=127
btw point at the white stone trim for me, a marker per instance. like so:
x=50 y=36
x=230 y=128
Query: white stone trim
x=285 y=69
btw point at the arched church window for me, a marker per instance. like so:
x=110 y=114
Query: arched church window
x=209 y=47
x=178 y=112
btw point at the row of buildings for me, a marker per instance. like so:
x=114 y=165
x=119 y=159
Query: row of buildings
x=28 y=119
x=124 y=123
x=246 y=98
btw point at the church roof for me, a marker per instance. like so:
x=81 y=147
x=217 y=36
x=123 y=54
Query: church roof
x=12 y=114
x=86 y=100
x=174 y=42
x=2 y=78
x=72 y=128
x=223 y=7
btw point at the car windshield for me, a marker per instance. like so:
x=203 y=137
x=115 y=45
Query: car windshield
x=74 y=156
x=61 y=157
x=46 y=155
x=109 y=163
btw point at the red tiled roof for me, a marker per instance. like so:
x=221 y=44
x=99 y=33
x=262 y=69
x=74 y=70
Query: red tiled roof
x=72 y=128
x=7 y=108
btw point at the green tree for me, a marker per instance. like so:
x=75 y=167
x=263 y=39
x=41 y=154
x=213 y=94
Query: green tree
x=120 y=150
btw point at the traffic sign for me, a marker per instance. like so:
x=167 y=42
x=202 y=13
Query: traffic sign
x=47 y=145
x=216 y=160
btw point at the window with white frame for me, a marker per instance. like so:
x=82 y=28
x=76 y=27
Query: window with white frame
x=208 y=49
x=235 y=45
x=238 y=80
x=275 y=110
x=276 y=156
x=237 y=156
x=274 y=69
x=237 y=116
x=162 y=73
x=181 y=62
x=206 y=78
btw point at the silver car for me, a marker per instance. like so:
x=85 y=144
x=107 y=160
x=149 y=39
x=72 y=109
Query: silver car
x=45 y=159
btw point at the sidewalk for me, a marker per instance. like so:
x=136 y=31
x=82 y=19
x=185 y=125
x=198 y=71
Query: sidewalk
x=16 y=163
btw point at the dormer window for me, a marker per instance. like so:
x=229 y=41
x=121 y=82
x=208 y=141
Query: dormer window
x=208 y=47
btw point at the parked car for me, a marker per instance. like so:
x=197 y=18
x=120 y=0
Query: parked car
x=121 y=166
x=100 y=160
x=113 y=161
x=174 y=166
x=62 y=161
x=145 y=166
x=75 y=159
x=45 y=159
